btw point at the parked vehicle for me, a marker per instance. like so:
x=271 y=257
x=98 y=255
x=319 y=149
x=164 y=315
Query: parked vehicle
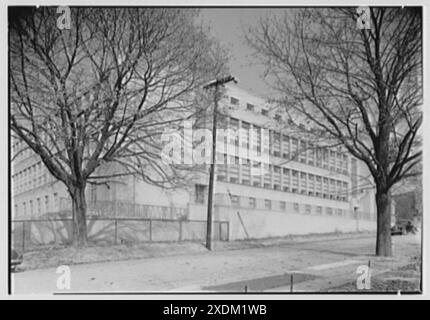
x=403 y=227
x=15 y=259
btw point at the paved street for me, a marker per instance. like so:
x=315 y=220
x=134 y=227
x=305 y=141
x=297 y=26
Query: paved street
x=315 y=265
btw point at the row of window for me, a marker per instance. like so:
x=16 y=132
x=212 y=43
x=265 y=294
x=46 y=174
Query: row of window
x=280 y=145
x=37 y=206
x=17 y=149
x=250 y=107
x=295 y=207
x=31 y=177
x=279 y=178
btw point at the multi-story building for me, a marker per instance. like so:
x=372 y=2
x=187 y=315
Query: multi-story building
x=294 y=186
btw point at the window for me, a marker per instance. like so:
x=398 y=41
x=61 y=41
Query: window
x=285 y=147
x=354 y=176
x=311 y=187
x=220 y=178
x=303 y=182
x=268 y=204
x=246 y=171
x=303 y=151
x=39 y=210
x=234 y=124
x=265 y=141
x=319 y=156
x=234 y=201
x=308 y=209
x=325 y=188
x=319 y=210
x=267 y=175
x=286 y=179
x=234 y=169
x=329 y=211
x=296 y=207
x=256 y=138
x=339 y=212
x=338 y=190
x=264 y=112
x=345 y=164
x=345 y=191
x=283 y=205
x=245 y=134
x=252 y=202
x=200 y=193
x=311 y=154
x=318 y=186
x=276 y=146
x=294 y=149
x=332 y=160
x=338 y=162
x=250 y=107
x=332 y=189
x=295 y=181
x=256 y=167
x=221 y=160
x=325 y=158
x=277 y=177
x=234 y=101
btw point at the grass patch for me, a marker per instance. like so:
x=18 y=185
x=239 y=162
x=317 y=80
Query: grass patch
x=53 y=257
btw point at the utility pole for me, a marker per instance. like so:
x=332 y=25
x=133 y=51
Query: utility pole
x=215 y=84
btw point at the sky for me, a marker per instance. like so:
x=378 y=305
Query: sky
x=227 y=25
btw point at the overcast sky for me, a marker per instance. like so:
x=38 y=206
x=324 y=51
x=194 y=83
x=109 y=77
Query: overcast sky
x=227 y=25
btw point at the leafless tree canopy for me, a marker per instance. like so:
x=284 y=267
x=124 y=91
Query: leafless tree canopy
x=103 y=91
x=362 y=87
x=355 y=85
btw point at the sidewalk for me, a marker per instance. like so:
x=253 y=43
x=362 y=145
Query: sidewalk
x=263 y=268
x=48 y=258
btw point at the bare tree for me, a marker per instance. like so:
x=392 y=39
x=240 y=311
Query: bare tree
x=103 y=91
x=361 y=87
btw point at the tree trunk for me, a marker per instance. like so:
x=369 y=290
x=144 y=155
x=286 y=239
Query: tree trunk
x=79 y=209
x=383 y=235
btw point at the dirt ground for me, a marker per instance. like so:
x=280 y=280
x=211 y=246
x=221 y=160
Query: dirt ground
x=53 y=256
x=317 y=265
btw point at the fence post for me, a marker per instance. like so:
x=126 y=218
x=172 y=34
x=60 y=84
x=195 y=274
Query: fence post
x=23 y=236
x=116 y=231
x=150 y=230
x=180 y=230
x=220 y=231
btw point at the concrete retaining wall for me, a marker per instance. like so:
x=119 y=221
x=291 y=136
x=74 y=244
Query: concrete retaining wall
x=262 y=223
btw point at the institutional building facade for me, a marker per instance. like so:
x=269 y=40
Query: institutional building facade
x=303 y=187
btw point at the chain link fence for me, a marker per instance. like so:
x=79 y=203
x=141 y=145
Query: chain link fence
x=34 y=234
